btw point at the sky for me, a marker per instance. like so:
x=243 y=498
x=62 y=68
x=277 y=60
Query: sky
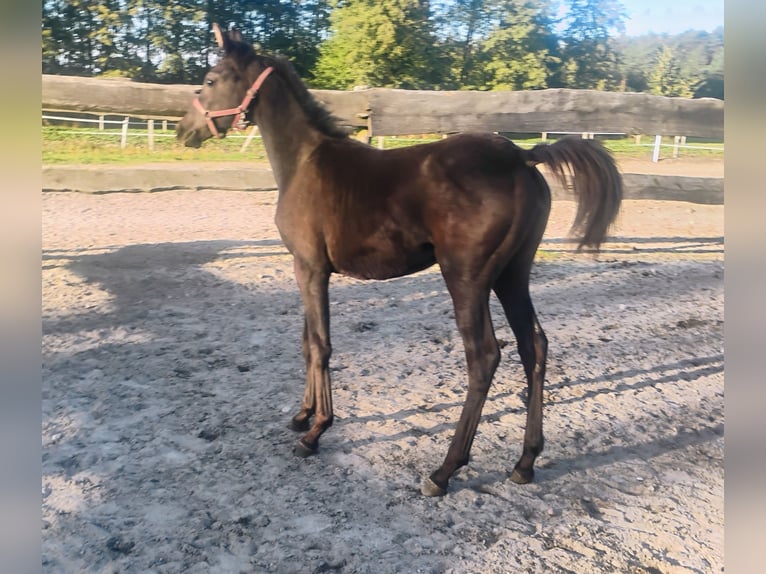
x=672 y=16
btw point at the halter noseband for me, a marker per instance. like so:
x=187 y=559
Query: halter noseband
x=239 y=112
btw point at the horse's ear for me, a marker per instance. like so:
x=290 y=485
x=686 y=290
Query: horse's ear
x=225 y=40
x=219 y=39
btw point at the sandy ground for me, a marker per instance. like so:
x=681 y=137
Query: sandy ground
x=685 y=166
x=171 y=366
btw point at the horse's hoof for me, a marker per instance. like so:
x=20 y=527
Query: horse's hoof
x=298 y=425
x=430 y=488
x=303 y=450
x=522 y=476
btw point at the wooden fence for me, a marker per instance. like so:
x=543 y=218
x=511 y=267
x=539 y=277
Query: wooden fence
x=390 y=112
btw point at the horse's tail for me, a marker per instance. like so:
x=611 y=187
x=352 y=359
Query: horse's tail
x=597 y=183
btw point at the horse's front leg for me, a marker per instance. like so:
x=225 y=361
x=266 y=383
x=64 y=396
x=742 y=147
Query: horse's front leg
x=313 y=281
x=302 y=421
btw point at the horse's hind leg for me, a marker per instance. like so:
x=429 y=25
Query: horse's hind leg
x=482 y=357
x=317 y=398
x=512 y=288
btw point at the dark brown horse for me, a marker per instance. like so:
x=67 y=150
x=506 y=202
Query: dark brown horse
x=473 y=203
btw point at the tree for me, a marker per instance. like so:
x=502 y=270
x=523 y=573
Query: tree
x=465 y=24
x=293 y=28
x=711 y=87
x=666 y=78
x=687 y=64
x=55 y=36
x=517 y=53
x=439 y=44
x=384 y=43
x=68 y=45
x=180 y=42
x=590 y=60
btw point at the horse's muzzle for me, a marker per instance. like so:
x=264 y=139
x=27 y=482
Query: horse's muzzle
x=192 y=140
x=189 y=136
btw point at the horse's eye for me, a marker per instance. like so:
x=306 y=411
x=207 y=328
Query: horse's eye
x=209 y=82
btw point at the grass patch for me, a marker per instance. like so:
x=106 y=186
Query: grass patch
x=66 y=145
x=621 y=147
x=72 y=146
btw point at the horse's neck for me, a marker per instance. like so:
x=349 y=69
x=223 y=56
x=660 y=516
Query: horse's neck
x=287 y=134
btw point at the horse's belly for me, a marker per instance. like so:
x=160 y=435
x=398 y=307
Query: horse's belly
x=372 y=263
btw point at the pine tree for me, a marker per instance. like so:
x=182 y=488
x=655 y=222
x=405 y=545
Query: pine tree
x=384 y=43
x=465 y=24
x=666 y=78
x=590 y=59
x=516 y=54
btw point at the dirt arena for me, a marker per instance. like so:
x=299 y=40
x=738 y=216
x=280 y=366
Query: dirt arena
x=172 y=364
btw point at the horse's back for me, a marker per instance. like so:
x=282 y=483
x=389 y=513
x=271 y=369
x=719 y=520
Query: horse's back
x=387 y=213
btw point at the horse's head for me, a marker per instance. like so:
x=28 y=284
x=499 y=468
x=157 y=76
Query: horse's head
x=227 y=93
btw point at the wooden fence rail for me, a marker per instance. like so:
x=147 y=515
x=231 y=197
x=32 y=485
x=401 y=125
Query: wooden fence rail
x=389 y=112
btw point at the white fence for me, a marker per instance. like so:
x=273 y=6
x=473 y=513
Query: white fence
x=147 y=128
x=152 y=128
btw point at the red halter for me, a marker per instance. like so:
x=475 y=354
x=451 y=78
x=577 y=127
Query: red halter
x=239 y=112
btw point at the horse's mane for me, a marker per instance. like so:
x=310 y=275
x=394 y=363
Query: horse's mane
x=318 y=115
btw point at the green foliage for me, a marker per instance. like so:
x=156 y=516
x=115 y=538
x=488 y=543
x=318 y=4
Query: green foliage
x=517 y=50
x=688 y=64
x=171 y=41
x=665 y=78
x=423 y=44
x=382 y=43
x=589 y=58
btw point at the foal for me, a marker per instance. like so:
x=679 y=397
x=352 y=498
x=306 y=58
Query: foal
x=473 y=203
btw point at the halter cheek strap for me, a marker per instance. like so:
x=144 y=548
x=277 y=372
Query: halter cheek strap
x=239 y=112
